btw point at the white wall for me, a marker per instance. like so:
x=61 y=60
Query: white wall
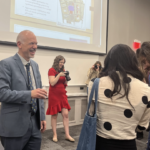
x=128 y=20
x=77 y=64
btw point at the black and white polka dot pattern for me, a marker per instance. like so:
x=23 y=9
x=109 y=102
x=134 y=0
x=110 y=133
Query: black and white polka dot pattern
x=107 y=126
x=145 y=100
x=116 y=114
x=148 y=106
x=128 y=113
x=107 y=93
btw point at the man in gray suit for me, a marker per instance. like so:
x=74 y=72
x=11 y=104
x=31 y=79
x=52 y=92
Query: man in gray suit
x=22 y=114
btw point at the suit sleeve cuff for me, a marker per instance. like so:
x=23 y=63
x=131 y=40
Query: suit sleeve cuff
x=27 y=97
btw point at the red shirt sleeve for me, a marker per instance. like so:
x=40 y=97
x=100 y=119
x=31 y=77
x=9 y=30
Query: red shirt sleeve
x=52 y=72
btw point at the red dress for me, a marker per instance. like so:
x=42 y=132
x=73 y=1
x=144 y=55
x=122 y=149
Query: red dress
x=57 y=98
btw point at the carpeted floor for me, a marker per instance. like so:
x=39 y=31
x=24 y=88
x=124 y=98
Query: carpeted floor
x=62 y=144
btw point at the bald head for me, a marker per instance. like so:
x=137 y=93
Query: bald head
x=24 y=35
x=27 y=44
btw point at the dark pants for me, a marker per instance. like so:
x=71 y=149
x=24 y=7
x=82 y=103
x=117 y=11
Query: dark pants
x=110 y=144
x=148 y=145
x=30 y=141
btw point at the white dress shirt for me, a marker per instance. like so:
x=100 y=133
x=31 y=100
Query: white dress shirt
x=24 y=62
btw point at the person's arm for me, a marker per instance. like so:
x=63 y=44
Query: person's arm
x=144 y=122
x=42 y=102
x=90 y=72
x=42 y=107
x=13 y=96
x=6 y=94
x=43 y=120
x=53 y=80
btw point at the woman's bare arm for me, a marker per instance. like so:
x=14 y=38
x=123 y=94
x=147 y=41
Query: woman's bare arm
x=53 y=80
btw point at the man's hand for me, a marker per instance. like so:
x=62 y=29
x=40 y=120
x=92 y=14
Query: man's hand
x=39 y=93
x=43 y=126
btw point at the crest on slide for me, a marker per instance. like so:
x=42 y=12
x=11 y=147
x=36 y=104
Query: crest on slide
x=72 y=10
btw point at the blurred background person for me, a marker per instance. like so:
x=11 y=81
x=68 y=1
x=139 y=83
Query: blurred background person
x=58 y=102
x=145 y=59
x=140 y=65
x=93 y=72
x=138 y=54
x=145 y=62
x=123 y=100
x=140 y=132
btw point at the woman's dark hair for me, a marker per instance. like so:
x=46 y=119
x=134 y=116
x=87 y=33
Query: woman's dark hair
x=98 y=62
x=138 y=53
x=121 y=58
x=56 y=63
x=144 y=54
x=145 y=51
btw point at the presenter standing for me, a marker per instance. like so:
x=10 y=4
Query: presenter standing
x=58 y=102
x=22 y=112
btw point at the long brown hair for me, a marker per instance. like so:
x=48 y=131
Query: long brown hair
x=56 y=63
x=98 y=62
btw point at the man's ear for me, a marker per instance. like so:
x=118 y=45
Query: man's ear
x=19 y=45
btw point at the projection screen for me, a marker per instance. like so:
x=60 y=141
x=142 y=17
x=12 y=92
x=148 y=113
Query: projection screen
x=69 y=24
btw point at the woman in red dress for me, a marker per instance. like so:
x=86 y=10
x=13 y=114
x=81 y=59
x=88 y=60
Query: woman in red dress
x=58 y=102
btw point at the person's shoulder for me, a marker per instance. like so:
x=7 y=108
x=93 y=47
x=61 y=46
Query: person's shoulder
x=33 y=62
x=52 y=70
x=8 y=60
x=92 y=69
x=136 y=81
x=142 y=88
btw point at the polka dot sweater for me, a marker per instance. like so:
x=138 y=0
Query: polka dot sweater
x=116 y=119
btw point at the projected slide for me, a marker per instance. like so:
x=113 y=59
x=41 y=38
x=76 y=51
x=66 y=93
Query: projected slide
x=70 y=14
x=73 y=21
x=53 y=34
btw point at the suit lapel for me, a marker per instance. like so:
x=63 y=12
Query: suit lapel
x=21 y=66
x=34 y=72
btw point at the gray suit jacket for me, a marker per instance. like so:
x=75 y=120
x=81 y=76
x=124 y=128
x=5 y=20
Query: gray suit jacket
x=15 y=97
